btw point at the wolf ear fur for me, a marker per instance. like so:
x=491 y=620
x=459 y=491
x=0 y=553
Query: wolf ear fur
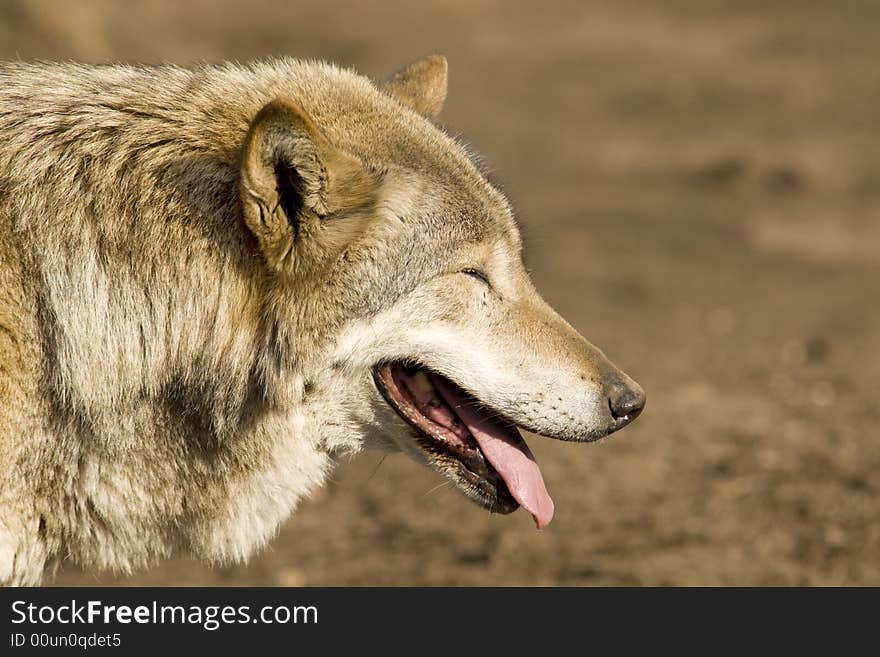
x=421 y=85
x=288 y=171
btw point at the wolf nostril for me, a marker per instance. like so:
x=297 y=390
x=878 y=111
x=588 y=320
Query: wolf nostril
x=625 y=401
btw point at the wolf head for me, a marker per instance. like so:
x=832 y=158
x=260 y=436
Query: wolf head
x=401 y=292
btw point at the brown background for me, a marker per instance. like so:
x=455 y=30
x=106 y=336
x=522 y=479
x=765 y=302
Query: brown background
x=699 y=183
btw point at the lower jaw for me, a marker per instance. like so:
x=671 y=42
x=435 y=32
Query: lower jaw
x=486 y=490
x=491 y=496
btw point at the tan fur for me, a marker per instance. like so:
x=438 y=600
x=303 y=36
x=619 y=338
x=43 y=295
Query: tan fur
x=182 y=355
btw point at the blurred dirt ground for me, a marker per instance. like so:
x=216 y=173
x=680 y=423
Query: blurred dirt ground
x=699 y=184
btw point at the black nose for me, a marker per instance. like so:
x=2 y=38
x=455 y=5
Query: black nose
x=626 y=401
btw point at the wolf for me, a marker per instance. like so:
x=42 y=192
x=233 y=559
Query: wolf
x=214 y=281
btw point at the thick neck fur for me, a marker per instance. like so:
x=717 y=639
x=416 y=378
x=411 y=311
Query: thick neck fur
x=160 y=331
x=128 y=171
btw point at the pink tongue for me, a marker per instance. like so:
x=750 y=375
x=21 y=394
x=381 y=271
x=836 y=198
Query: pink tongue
x=508 y=453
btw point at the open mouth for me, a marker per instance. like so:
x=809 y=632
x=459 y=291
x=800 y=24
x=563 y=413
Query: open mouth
x=482 y=451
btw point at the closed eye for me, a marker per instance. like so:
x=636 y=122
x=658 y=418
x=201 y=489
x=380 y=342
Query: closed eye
x=476 y=273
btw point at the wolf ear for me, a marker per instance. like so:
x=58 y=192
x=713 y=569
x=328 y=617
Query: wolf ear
x=288 y=170
x=421 y=85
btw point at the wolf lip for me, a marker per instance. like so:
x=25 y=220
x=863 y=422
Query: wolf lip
x=495 y=466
